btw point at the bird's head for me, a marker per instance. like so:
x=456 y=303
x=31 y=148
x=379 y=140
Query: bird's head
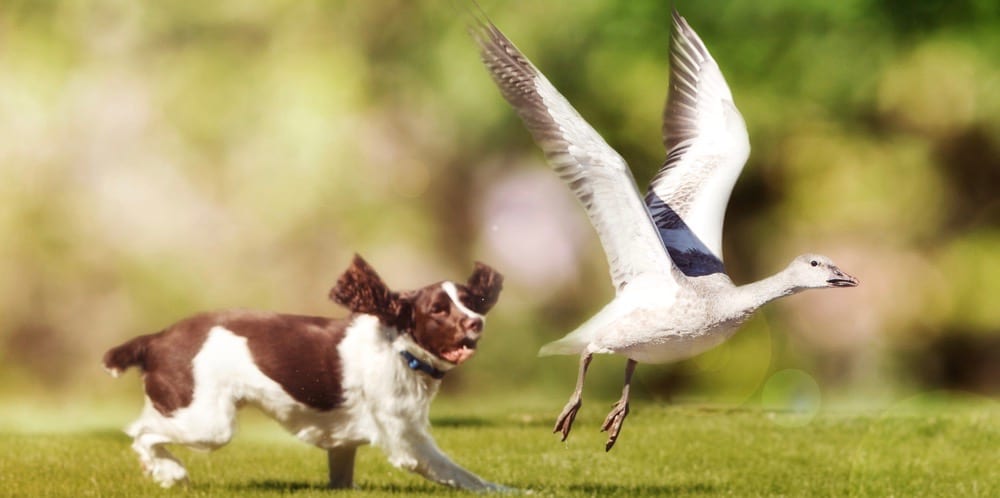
x=813 y=271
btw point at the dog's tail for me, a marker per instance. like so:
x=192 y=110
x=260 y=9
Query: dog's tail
x=131 y=353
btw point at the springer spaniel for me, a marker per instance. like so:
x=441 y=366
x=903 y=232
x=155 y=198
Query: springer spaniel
x=334 y=383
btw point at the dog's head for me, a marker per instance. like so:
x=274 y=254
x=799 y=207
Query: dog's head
x=445 y=318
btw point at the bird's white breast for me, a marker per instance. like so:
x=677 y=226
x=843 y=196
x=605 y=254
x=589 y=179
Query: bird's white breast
x=666 y=332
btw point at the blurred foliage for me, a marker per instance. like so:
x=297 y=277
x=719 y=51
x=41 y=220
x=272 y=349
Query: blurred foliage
x=159 y=158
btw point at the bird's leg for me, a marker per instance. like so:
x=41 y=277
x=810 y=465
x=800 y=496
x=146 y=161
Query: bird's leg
x=565 y=421
x=613 y=424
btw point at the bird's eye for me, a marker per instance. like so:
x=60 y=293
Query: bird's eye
x=814 y=263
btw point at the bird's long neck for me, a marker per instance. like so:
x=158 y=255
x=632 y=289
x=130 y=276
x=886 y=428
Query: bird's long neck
x=746 y=299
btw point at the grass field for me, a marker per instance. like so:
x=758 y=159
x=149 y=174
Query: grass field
x=665 y=450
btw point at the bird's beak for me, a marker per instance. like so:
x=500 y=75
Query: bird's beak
x=842 y=279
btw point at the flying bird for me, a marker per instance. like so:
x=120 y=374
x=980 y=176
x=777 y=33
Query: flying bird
x=673 y=299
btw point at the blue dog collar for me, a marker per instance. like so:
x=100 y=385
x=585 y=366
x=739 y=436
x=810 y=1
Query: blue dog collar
x=415 y=364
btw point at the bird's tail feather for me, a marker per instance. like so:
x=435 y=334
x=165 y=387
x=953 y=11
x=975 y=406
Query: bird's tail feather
x=584 y=335
x=566 y=345
x=572 y=343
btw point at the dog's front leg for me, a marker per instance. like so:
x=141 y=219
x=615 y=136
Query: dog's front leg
x=418 y=453
x=341 y=463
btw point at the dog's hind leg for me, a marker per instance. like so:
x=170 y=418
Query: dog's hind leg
x=150 y=434
x=158 y=463
x=341 y=463
x=205 y=425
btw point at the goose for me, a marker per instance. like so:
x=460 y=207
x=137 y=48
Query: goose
x=673 y=299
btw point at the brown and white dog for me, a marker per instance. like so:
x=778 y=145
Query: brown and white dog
x=334 y=383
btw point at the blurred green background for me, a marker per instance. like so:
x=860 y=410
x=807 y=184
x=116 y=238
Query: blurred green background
x=161 y=158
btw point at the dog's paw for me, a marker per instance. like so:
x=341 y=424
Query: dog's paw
x=167 y=473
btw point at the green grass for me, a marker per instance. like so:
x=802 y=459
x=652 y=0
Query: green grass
x=665 y=450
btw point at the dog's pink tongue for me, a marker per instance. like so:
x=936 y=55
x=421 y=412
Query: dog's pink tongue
x=459 y=355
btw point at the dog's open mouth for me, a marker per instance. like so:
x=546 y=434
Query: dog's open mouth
x=466 y=348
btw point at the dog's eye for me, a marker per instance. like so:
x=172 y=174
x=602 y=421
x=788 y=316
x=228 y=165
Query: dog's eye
x=439 y=307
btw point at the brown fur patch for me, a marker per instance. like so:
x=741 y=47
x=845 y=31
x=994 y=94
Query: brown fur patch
x=165 y=359
x=297 y=352
x=482 y=290
x=361 y=290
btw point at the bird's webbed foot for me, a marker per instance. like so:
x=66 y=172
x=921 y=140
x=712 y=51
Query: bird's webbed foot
x=613 y=423
x=565 y=421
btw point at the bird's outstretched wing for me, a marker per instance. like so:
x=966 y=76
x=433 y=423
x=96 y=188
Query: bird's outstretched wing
x=707 y=146
x=598 y=176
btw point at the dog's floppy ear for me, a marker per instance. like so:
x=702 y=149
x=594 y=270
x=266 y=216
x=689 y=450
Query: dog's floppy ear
x=484 y=287
x=361 y=290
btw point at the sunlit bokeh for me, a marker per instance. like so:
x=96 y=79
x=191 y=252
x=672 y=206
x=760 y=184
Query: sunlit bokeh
x=162 y=158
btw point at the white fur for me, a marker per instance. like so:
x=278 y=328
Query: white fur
x=385 y=404
x=452 y=291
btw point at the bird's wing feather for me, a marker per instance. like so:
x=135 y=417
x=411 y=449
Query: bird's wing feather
x=707 y=146
x=598 y=176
